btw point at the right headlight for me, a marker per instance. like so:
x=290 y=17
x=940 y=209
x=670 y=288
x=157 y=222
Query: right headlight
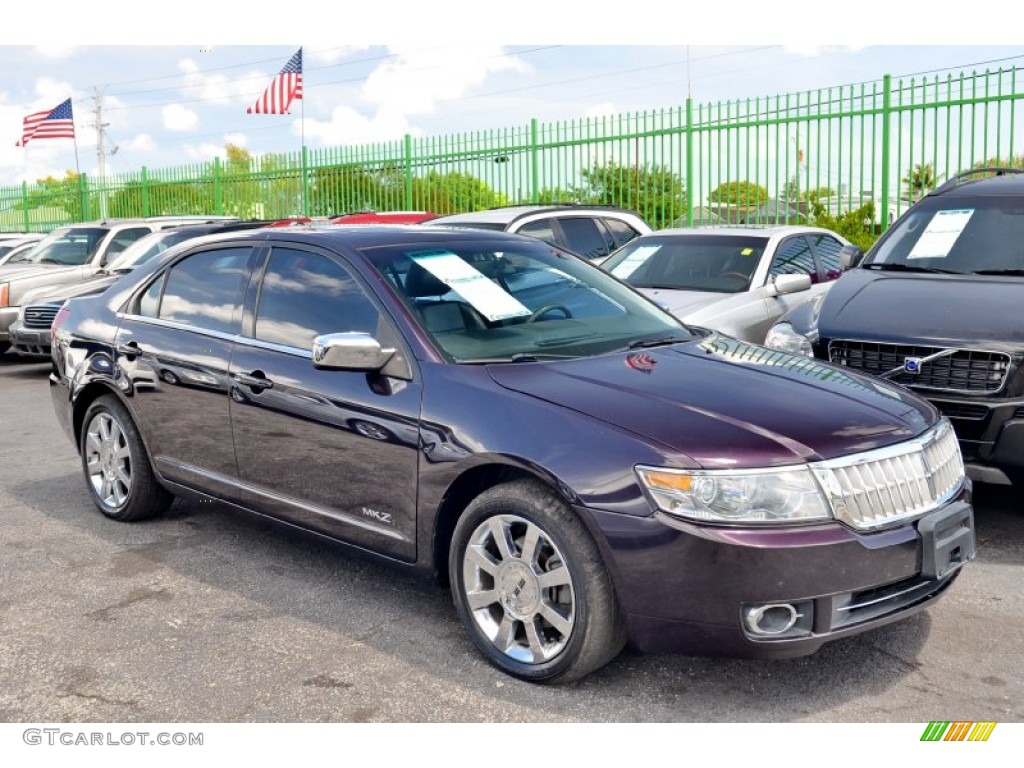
x=4 y=294
x=767 y=496
x=785 y=339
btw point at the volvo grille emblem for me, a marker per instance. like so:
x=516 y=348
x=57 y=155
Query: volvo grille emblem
x=912 y=364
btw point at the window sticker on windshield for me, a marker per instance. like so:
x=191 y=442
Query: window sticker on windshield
x=485 y=296
x=746 y=252
x=941 y=234
x=634 y=261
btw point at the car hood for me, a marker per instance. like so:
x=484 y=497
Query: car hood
x=726 y=403
x=875 y=306
x=681 y=303
x=49 y=294
x=13 y=272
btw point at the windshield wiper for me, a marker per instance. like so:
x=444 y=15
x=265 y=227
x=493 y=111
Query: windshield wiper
x=1018 y=272
x=518 y=357
x=646 y=343
x=910 y=268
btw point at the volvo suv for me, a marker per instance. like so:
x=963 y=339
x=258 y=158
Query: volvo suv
x=935 y=306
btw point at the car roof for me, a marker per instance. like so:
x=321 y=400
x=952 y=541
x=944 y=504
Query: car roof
x=365 y=235
x=510 y=213
x=1009 y=182
x=757 y=231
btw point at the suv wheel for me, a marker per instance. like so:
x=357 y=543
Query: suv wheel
x=530 y=585
x=116 y=466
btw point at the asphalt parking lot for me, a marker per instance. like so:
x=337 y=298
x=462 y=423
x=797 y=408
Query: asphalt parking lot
x=209 y=615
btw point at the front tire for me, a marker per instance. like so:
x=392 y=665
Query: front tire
x=117 y=469
x=531 y=587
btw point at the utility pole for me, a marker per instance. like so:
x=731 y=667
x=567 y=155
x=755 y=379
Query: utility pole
x=101 y=152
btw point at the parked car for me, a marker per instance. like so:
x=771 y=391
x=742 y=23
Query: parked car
x=589 y=231
x=935 y=306
x=29 y=334
x=579 y=466
x=72 y=254
x=737 y=280
x=11 y=248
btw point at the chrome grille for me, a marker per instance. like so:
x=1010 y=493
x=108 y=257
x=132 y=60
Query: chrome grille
x=877 y=488
x=40 y=316
x=963 y=370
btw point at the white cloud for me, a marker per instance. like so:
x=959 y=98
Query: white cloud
x=179 y=118
x=331 y=55
x=204 y=151
x=416 y=80
x=57 y=51
x=238 y=139
x=602 y=110
x=142 y=142
x=348 y=127
x=811 y=51
x=222 y=89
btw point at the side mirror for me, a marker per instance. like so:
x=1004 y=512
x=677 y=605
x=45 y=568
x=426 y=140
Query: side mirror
x=349 y=352
x=783 y=284
x=850 y=256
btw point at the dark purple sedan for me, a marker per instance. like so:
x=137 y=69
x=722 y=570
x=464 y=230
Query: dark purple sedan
x=582 y=469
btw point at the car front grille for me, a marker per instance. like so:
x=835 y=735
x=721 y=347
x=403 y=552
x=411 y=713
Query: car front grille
x=881 y=487
x=969 y=371
x=41 y=315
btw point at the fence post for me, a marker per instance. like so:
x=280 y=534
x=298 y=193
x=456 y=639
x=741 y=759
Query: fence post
x=305 y=182
x=218 y=194
x=534 y=161
x=886 y=138
x=408 y=172
x=145 y=192
x=83 y=190
x=24 y=204
x=689 y=161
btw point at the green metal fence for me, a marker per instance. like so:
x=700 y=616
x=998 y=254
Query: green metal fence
x=753 y=160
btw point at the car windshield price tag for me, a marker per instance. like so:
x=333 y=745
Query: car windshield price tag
x=483 y=294
x=634 y=261
x=941 y=234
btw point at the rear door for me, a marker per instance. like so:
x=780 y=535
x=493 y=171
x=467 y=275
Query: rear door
x=335 y=451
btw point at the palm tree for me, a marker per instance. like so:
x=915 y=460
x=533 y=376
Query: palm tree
x=920 y=180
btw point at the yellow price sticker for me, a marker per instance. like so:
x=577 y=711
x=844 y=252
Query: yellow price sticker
x=746 y=251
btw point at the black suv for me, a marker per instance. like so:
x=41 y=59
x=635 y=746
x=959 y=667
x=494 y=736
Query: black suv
x=935 y=305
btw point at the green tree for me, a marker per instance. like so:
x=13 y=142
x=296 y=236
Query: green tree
x=795 y=191
x=51 y=192
x=346 y=188
x=454 y=192
x=920 y=180
x=655 y=192
x=745 y=193
x=857 y=226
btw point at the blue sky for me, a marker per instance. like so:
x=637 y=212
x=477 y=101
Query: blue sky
x=437 y=69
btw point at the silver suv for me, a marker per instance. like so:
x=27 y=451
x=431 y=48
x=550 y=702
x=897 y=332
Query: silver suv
x=591 y=231
x=72 y=254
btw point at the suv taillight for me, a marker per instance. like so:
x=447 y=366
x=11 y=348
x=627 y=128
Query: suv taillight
x=59 y=319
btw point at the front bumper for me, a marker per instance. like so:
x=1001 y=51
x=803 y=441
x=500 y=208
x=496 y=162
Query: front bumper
x=29 y=342
x=686 y=588
x=991 y=435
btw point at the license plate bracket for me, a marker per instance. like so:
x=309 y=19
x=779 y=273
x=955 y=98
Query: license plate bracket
x=947 y=540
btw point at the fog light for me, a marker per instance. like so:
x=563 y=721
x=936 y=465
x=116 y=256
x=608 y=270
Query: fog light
x=778 y=620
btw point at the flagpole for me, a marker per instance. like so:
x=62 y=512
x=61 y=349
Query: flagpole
x=302 y=138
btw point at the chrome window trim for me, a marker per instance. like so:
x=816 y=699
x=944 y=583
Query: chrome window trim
x=232 y=337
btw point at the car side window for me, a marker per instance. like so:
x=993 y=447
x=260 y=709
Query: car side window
x=794 y=257
x=204 y=290
x=582 y=237
x=124 y=238
x=827 y=248
x=541 y=229
x=305 y=294
x=621 y=231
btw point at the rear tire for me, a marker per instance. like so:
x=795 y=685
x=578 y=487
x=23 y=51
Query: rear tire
x=116 y=466
x=531 y=587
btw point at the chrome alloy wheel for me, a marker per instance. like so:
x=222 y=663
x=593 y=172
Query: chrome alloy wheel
x=518 y=588
x=108 y=461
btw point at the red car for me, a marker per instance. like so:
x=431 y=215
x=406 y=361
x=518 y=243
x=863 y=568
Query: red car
x=384 y=217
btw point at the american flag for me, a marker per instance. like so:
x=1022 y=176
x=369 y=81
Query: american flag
x=56 y=123
x=277 y=99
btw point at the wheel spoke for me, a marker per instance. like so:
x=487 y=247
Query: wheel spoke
x=556 y=578
x=120 y=493
x=94 y=442
x=533 y=637
x=555 y=619
x=529 y=553
x=104 y=425
x=124 y=477
x=506 y=632
x=500 y=533
x=482 y=559
x=123 y=452
x=105 y=488
x=481 y=599
x=93 y=464
x=115 y=433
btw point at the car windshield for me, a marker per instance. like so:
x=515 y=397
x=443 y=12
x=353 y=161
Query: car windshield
x=145 y=249
x=498 y=301
x=956 y=234
x=690 y=262
x=67 y=246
